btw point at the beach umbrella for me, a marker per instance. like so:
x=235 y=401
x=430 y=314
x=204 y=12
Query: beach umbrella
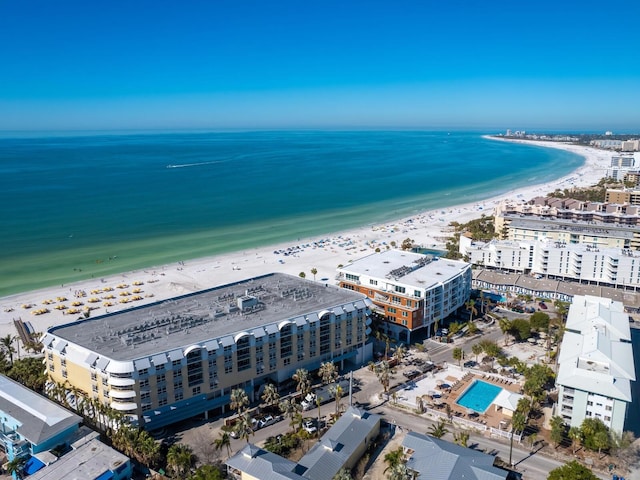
x=439 y=382
x=432 y=393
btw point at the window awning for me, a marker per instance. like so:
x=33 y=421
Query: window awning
x=338 y=311
x=227 y=341
x=142 y=364
x=102 y=363
x=176 y=354
x=313 y=317
x=159 y=359
x=211 y=345
x=271 y=329
x=258 y=332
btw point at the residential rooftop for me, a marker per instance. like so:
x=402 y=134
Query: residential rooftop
x=92 y=459
x=209 y=314
x=436 y=459
x=406 y=267
x=40 y=419
x=595 y=354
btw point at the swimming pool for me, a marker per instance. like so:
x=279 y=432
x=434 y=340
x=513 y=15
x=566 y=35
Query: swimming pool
x=479 y=395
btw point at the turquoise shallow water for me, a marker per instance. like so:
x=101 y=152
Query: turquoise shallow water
x=73 y=207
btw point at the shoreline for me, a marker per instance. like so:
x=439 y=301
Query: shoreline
x=428 y=228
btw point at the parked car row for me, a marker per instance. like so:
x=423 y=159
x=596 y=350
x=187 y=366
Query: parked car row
x=258 y=423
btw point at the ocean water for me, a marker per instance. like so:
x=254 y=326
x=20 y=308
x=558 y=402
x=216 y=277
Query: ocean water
x=73 y=207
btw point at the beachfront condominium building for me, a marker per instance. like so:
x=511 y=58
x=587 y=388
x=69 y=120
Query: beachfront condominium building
x=623 y=161
x=570 y=221
x=410 y=291
x=632 y=197
x=174 y=359
x=595 y=365
x=614 y=267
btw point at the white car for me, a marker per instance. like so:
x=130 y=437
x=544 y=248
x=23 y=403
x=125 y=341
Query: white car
x=309 y=427
x=266 y=421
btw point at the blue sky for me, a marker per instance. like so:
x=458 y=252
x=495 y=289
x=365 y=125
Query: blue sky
x=563 y=65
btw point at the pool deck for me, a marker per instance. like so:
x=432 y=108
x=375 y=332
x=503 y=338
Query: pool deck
x=446 y=386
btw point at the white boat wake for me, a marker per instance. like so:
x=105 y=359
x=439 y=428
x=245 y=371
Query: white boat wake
x=184 y=165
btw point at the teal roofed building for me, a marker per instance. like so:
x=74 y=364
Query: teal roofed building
x=31 y=425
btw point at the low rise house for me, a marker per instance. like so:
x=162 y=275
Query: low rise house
x=435 y=459
x=340 y=447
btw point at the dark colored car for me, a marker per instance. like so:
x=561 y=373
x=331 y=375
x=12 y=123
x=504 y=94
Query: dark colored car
x=542 y=305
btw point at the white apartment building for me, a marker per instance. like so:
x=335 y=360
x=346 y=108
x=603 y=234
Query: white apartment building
x=595 y=365
x=410 y=290
x=606 y=266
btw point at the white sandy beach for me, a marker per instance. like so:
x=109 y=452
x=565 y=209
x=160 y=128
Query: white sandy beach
x=428 y=229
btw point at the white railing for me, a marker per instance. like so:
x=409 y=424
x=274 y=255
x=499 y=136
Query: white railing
x=503 y=433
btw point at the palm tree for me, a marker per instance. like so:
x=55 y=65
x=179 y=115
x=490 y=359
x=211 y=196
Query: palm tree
x=575 y=435
x=337 y=394
x=461 y=438
x=147 y=449
x=327 y=372
x=318 y=403
x=343 y=474
x=505 y=326
x=458 y=354
x=518 y=423
x=302 y=275
x=557 y=429
x=302 y=378
x=471 y=306
x=6 y=343
x=314 y=271
x=179 y=459
x=439 y=429
x=383 y=372
x=296 y=421
x=532 y=439
x=270 y=395
x=400 y=353
x=15 y=466
x=224 y=441
x=399 y=472
x=420 y=404
x=393 y=458
x=289 y=408
x=238 y=400
x=244 y=427
x=476 y=349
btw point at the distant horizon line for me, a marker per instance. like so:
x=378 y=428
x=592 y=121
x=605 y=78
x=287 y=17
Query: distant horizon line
x=124 y=131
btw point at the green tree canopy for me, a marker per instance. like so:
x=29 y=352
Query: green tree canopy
x=595 y=434
x=571 y=471
x=539 y=321
x=520 y=329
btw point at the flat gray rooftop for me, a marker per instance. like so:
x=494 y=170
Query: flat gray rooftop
x=559 y=225
x=87 y=461
x=406 y=267
x=209 y=314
